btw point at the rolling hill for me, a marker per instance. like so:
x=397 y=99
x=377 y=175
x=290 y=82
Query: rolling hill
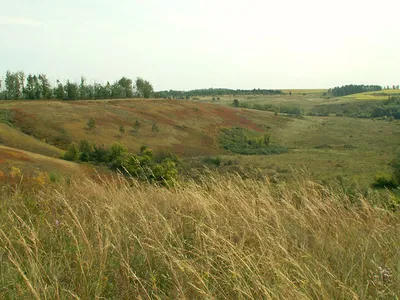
x=329 y=146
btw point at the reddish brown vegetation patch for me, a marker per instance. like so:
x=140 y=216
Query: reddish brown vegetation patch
x=110 y=118
x=13 y=155
x=232 y=117
x=151 y=116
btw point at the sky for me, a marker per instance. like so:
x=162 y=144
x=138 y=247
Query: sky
x=189 y=44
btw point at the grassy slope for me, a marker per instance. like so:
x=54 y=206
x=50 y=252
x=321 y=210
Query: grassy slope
x=30 y=162
x=335 y=146
x=13 y=137
x=225 y=238
x=185 y=127
x=327 y=146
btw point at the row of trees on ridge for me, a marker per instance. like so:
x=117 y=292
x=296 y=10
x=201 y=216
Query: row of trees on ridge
x=353 y=89
x=17 y=86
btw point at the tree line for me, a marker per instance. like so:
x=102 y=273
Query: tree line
x=213 y=92
x=353 y=89
x=17 y=86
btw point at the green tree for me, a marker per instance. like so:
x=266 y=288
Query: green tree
x=235 y=103
x=83 y=89
x=72 y=90
x=127 y=86
x=117 y=91
x=14 y=84
x=29 y=92
x=37 y=89
x=45 y=87
x=2 y=93
x=144 y=88
x=59 y=91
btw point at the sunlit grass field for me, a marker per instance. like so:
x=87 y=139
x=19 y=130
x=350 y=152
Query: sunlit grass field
x=304 y=99
x=379 y=95
x=220 y=238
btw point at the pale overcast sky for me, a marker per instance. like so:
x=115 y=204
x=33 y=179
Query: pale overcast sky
x=183 y=44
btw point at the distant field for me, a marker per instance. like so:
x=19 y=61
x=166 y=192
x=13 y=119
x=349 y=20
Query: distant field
x=307 y=91
x=329 y=147
x=304 y=99
x=379 y=95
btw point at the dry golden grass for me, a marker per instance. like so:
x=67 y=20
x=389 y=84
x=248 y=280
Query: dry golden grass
x=222 y=238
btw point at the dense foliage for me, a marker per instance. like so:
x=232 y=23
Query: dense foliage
x=17 y=86
x=143 y=165
x=353 y=89
x=389 y=108
x=248 y=142
x=213 y=92
x=290 y=110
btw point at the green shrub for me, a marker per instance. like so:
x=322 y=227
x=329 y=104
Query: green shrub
x=154 y=128
x=91 y=124
x=384 y=180
x=323 y=146
x=85 y=149
x=99 y=154
x=54 y=177
x=213 y=160
x=145 y=166
x=248 y=142
x=117 y=155
x=165 y=172
x=72 y=152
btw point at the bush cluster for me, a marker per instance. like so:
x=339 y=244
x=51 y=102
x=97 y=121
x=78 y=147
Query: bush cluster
x=143 y=165
x=384 y=180
x=290 y=110
x=244 y=141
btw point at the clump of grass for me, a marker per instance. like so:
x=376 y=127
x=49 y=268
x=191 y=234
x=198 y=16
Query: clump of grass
x=221 y=238
x=212 y=160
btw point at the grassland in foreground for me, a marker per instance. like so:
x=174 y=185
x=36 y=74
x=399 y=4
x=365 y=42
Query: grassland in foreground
x=222 y=238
